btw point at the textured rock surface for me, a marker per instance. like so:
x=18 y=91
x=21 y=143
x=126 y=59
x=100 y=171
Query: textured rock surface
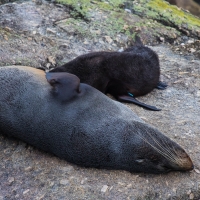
x=42 y=41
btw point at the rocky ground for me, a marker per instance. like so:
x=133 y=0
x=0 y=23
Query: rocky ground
x=39 y=34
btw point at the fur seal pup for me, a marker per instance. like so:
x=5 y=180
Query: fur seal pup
x=76 y=122
x=125 y=75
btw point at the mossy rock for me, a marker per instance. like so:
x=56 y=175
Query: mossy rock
x=157 y=17
x=168 y=15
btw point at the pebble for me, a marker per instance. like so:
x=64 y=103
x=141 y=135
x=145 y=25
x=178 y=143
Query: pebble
x=188 y=192
x=197 y=171
x=104 y=188
x=192 y=50
x=5 y=37
x=67 y=169
x=26 y=191
x=51 y=183
x=52 y=60
x=40 y=197
x=28 y=169
x=191 y=196
x=108 y=39
x=64 y=182
x=190 y=41
x=83 y=181
x=162 y=39
x=127 y=10
x=11 y=180
x=51 y=31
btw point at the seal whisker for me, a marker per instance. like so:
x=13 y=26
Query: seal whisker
x=162 y=149
x=173 y=153
x=158 y=150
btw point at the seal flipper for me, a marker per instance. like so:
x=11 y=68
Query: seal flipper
x=161 y=86
x=128 y=99
x=65 y=85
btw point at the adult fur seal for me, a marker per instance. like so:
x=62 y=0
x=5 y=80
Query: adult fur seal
x=125 y=75
x=78 y=123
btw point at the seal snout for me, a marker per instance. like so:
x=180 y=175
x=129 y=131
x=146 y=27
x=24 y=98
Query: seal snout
x=185 y=163
x=169 y=155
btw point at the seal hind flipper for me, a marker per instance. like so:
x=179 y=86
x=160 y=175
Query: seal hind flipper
x=128 y=99
x=65 y=85
x=161 y=86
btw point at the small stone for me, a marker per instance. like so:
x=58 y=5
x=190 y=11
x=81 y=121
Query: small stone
x=51 y=31
x=104 y=188
x=197 y=171
x=85 y=42
x=7 y=28
x=188 y=192
x=120 y=183
x=174 y=190
x=28 y=169
x=40 y=197
x=48 y=65
x=11 y=180
x=192 y=50
x=34 y=32
x=51 y=183
x=51 y=59
x=162 y=39
x=108 y=39
x=26 y=191
x=5 y=37
x=190 y=41
x=191 y=196
x=64 y=182
x=125 y=27
x=29 y=38
x=82 y=182
x=67 y=169
x=127 y=10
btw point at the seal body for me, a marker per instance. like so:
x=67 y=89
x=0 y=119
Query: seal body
x=81 y=125
x=133 y=72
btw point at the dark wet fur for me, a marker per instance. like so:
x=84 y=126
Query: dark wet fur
x=136 y=70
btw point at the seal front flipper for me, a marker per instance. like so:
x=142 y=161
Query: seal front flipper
x=65 y=86
x=129 y=99
x=161 y=86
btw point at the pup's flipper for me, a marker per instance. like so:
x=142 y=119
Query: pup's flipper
x=129 y=99
x=161 y=86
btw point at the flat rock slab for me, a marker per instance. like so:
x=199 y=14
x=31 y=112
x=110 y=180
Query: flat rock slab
x=27 y=173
